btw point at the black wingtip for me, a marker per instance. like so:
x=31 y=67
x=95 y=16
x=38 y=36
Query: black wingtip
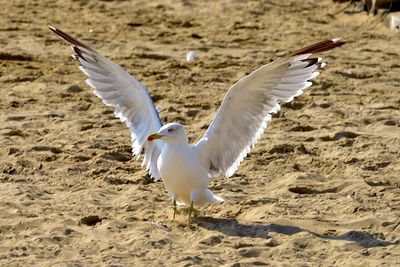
x=310 y=61
x=320 y=47
x=69 y=38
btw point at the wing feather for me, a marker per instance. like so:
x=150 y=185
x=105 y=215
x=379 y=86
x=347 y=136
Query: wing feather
x=247 y=107
x=131 y=100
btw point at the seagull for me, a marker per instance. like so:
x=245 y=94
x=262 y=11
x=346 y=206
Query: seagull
x=186 y=169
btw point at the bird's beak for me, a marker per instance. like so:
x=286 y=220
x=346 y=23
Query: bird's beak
x=154 y=136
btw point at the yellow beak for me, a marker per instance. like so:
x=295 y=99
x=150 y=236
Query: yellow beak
x=154 y=136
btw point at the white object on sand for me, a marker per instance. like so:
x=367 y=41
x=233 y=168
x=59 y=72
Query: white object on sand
x=191 y=56
x=240 y=121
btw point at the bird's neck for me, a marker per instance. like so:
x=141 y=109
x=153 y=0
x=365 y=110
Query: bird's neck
x=180 y=141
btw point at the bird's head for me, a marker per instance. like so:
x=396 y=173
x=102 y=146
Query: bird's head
x=171 y=133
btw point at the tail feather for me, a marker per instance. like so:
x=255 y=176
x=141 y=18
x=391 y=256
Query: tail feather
x=213 y=198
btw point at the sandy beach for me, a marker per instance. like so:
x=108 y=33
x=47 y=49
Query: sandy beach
x=321 y=188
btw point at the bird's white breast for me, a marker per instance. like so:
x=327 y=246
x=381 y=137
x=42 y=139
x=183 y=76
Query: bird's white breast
x=181 y=171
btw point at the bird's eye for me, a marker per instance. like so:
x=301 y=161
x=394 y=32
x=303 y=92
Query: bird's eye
x=170 y=130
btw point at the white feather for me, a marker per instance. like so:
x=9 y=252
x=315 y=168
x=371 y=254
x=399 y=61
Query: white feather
x=246 y=111
x=131 y=100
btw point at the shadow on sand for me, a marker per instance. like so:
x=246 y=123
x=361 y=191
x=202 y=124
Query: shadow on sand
x=231 y=227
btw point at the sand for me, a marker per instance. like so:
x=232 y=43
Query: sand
x=321 y=188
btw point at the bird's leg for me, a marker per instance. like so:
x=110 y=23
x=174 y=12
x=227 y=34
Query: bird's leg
x=190 y=211
x=193 y=197
x=174 y=203
x=173 y=216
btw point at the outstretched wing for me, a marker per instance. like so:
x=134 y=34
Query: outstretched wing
x=131 y=100
x=249 y=103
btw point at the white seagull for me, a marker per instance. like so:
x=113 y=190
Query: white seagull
x=240 y=121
